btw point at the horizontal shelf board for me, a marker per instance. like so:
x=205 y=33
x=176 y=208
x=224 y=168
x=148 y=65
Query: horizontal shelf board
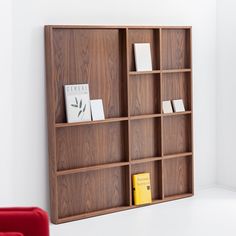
x=116 y=27
x=122 y=208
x=177 y=113
x=144 y=160
x=176 y=71
x=109 y=120
x=148 y=116
x=120 y=164
x=92 y=214
x=144 y=72
x=175 y=27
x=151 y=159
x=177 y=196
x=91 y=168
x=183 y=154
x=166 y=199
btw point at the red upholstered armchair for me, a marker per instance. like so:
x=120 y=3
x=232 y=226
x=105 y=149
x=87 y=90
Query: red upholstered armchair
x=23 y=222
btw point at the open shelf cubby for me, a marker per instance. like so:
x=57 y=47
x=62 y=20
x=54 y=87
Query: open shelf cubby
x=145 y=138
x=155 y=170
x=91 y=163
x=86 y=192
x=143 y=36
x=145 y=94
x=96 y=57
x=177 y=134
x=177 y=174
x=82 y=146
x=176 y=49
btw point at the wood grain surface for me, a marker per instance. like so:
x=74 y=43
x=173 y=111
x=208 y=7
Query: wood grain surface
x=145 y=138
x=145 y=94
x=92 y=191
x=177 y=176
x=89 y=145
x=94 y=57
x=177 y=134
x=176 y=49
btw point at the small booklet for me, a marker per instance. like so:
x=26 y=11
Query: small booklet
x=167 y=107
x=77 y=103
x=143 y=59
x=97 y=109
x=178 y=105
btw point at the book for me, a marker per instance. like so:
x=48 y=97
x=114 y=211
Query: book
x=143 y=59
x=178 y=105
x=167 y=107
x=77 y=103
x=97 y=109
x=142 y=188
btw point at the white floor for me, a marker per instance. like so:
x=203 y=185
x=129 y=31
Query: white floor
x=211 y=212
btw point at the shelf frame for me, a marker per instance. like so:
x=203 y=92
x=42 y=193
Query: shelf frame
x=156 y=35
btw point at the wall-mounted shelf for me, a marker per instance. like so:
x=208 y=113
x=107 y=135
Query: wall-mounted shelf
x=91 y=163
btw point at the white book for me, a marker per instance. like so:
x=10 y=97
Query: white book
x=143 y=59
x=167 y=107
x=77 y=103
x=178 y=105
x=97 y=109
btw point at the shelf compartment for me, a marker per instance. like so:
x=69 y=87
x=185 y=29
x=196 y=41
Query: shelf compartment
x=176 y=49
x=154 y=168
x=144 y=95
x=177 y=135
x=177 y=86
x=81 y=146
x=109 y=120
x=99 y=190
x=145 y=138
x=97 y=57
x=144 y=36
x=177 y=177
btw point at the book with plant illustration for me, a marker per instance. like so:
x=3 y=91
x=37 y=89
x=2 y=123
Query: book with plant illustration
x=77 y=103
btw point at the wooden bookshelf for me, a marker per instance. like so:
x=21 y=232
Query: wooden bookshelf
x=91 y=163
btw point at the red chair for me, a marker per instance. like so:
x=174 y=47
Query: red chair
x=11 y=234
x=23 y=222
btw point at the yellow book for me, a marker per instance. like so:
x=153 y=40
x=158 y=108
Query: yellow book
x=142 y=189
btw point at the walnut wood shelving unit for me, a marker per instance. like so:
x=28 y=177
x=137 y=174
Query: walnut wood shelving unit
x=91 y=163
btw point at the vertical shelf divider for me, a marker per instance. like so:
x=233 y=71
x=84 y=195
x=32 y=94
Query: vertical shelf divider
x=50 y=83
x=161 y=91
x=191 y=105
x=128 y=110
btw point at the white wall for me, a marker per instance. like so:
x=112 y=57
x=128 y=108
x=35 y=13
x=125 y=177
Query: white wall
x=29 y=172
x=5 y=101
x=226 y=93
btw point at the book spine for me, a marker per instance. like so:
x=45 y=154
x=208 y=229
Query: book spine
x=66 y=101
x=134 y=180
